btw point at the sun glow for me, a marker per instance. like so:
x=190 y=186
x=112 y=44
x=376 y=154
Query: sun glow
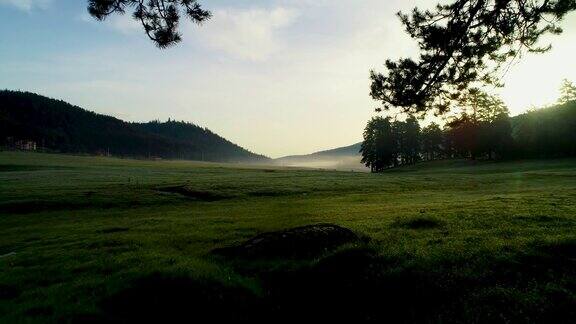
x=535 y=80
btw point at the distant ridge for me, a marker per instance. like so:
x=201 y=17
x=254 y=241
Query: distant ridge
x=59 y=126
x=341 y=158
x=351 y=150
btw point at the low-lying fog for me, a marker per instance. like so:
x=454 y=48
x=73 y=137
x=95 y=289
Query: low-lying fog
x=342 y=163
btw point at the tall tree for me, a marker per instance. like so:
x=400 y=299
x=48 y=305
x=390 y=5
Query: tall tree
x=567 y=92
x=483 y=125
x=378 y=148
x=159 y=18
x=462 y=133
x=409 y=140
x=432 y=139
x=463 y=44
x=496 y=137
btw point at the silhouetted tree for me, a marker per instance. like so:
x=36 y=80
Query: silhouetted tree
x=397 y=145
x=567 y=92
x=491 y=108
x=432 y=140
x=408 y=137
x=495 y=129
x=496 y=137
x=378 y=147
x=159 y=18
x=462 y=44
x=483 y=126
x=462 y=134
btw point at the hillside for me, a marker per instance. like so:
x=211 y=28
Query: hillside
x=58 y=126
x=350 y=150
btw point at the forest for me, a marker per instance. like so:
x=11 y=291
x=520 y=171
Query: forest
x=482 y=129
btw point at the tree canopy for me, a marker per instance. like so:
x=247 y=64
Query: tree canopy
x=479 y=106
x=159 y=18
x=464 y=44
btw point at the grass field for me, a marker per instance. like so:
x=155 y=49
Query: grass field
x=103 y=239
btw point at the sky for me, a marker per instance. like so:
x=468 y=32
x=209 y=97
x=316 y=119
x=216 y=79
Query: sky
x=278 y=77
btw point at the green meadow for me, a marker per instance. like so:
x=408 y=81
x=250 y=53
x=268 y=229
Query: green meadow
x=104 y=239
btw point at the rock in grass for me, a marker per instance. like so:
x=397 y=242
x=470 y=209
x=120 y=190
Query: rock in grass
x=296 y=242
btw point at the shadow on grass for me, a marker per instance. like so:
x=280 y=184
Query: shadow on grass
x=162 y=298
x=26 y=207
x=8 y=292
x=111 y=230
x=346 y=286
x=421 y=222
x=354 y=283
x=208 y=196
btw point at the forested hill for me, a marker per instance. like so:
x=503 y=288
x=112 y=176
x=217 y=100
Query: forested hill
x=546 y=132
x=58 y=126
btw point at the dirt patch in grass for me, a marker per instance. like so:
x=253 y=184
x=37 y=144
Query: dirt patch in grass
x=418 y=223
x=298 y=242
x=199 y=195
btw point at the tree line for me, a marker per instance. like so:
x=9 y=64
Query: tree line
x=483 y=129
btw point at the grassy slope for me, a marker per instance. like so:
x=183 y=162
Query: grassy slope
x=84 y=228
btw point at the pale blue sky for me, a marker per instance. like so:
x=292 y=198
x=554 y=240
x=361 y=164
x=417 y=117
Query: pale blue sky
x=278 y=77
